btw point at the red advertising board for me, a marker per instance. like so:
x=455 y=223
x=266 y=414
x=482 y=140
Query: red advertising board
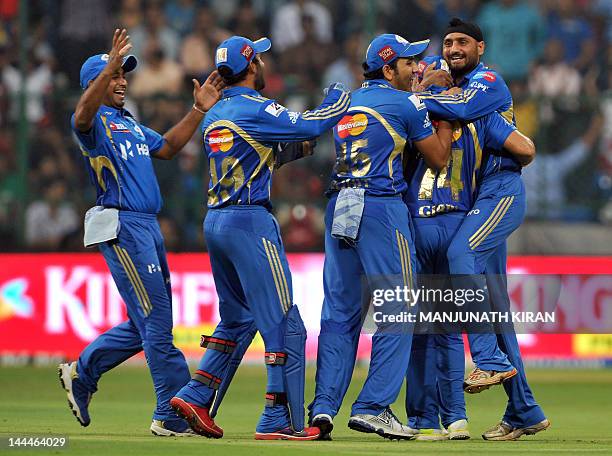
x=54 y=304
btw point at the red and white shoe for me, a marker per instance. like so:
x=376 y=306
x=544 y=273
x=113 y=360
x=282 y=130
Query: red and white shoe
x=198 y=418
x=309 y=433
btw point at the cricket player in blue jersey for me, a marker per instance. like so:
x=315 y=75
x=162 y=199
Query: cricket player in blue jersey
x=438 y=203
x=117 y=151
x=368 y=234
x=241 y=136
x=479 y=244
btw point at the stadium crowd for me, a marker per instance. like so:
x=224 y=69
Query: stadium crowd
x=555 y=56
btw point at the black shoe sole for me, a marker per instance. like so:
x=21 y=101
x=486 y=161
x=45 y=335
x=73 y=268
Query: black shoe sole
x=369 y=429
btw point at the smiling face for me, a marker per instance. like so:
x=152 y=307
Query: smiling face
x=401 y=77
x=115 y=93
x=461 y=52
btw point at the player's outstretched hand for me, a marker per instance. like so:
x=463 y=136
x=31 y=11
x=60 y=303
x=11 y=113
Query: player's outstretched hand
x=121 y=46
x=207 y=94
x=452 y=91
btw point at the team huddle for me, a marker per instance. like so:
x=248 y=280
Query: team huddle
x=411 y=197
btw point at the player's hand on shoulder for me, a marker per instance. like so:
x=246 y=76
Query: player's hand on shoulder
x=206 y=95
x=452 y=91
x=121 y=46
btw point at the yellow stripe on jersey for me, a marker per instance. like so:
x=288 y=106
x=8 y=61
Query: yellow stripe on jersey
x=337 y=108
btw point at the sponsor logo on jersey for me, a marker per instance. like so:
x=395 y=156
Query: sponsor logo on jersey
x=387 y=53
x=352 y=125
x=488 y=75
x=221 y=140
x=479 y=86
x=275 y=109
x=246 y=51
x=118 y=127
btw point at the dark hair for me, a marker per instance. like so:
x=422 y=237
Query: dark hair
x=229 y=78
x=377 y=74
x=468 y=28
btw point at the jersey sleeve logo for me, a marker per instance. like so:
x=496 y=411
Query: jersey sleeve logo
x=416 y=101
x=221 y=140
x=275 y=109
x=352 y=125
x=487 y=75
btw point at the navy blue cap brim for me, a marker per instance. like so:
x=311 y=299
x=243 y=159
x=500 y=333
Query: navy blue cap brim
x=416 y=48
x=262 y=45
x=129 y=63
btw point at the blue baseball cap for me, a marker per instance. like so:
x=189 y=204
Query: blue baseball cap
x=386 y=48
x=237 y=52
x=94 y=65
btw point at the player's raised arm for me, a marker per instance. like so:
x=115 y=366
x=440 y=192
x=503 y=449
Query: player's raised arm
x=204 y=98
x=96 y=82
x=276 y=123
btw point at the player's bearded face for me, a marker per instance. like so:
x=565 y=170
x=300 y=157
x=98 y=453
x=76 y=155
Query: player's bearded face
x=260 y=80
x=117 y=89
x=461 y=52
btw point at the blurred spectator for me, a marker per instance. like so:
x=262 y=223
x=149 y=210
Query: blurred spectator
x=84 y=28
x=130 y=14
x=544 y=178
x=418 y=13
x=49 y=221
x=245 y=21
x=554 y=76
x=154 y=28
x=198 y=48
x=514 y=36
x=180 y=14
x=158 y=75
x=525 y=108
x=446 y=9
x=170 y=233
x=566 y=24
x=287 y=26
x=347 y=68
x=307 y=61
x=38 y=83
x=10 y=187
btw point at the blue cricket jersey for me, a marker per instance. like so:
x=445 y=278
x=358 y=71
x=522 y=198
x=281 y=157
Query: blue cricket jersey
x=454 y=187
x=484 y=92
x=371 y=138
x=117 y=151
x=240 y=136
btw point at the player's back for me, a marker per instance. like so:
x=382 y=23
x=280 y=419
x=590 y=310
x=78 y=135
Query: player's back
x=371 y=137
x=240 y=166
x=454 y=187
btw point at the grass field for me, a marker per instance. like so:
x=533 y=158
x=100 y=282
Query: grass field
x=578 y=403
